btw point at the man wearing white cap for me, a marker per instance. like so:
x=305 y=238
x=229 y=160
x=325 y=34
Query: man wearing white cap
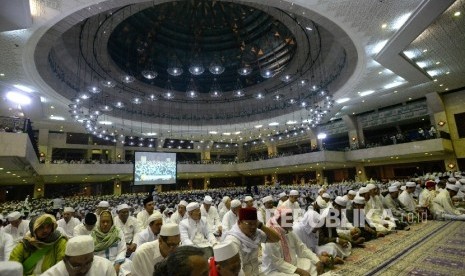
x=282 y=198
x=349 y=197
x=101 y=206
x=406 y=197
x=194 y=230
x=180 y=214
x=375 y=218
x=224 y=206
x=6 y=243
x=79 y=259
x=18 y=227
x=142 y=216
x=150 y=233
x=230 y=218
x=265 y=211
x=150 y=253
x=226 y=260
x=392 y=203
x=88 y=224
x=248 y=202
x=68 y=222
x=129 y=225
x=211 y=214
x=293 y=204
x=442 y=204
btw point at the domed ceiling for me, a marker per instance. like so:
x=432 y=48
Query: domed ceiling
x=192 y=63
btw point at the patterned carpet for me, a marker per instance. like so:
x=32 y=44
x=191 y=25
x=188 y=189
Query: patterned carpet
x=431 y=248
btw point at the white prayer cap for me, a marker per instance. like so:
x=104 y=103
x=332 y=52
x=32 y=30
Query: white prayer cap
x=192 y=206
x=79 y=245
x=452 y=187
x=321 y=190
x=248 y=198
x=462 y=180
x=155 y=216
x=352 y=192
x=403 y=188
x=410 y=184
x=225 y=198
x=397 y=183
x=267 y=198
x=393 y=189
x=462 y=189
x=283 y=194
x=440 y=174
x=457 y=174
x=13 y=216
x=207 y=200
x=340 y=201
x=371 y=186
x=363 y=190
x=359 y=200
x=224 y=251
x=321 y=202
x=183 y=203
x=121 y=207
x=325 y=195
x=451 y=180
x=103 y=204
x=10 y=268
x=169 y=229
x=294 y=193
x=235 y=203
x=68 y=210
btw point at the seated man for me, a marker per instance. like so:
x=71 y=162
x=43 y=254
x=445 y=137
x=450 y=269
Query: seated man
x=230 y=218
x=194 y=230
x=79 y=258
x=356 y=216
x=392 y=203
x=290 y=256
x=248 y=234
x=87 y=225
x=184 y=261
x=149 y=234
x=226 y=260
x=442 y=204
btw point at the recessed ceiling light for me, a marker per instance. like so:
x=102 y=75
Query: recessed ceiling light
x=273 y=124
x=435 y=80
x=309 y=29
x=57 y=118
x=258 y=126
x=441 y=84
x=366 y=93
x=395 y=91
x=438 y=62
x=23 y=88
x=2 y=75
x=342 y=100
x=105 y=123
x=380 y=72
x=18 y=98
x=213 y=132
x=447 y=89
x=409 y=99
x=425 y=50
x=457 y=13
x=384 y=26
x=447 y=73
x=52 y=107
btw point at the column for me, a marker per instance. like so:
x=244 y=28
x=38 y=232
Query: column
x=44 y=153
x=272 y=149
x=320 y=177
x=438 y=115
x=313 y=140
x=360 y=173
x=274 y=178
x=119 y=155
x=240 y=152
x=355 y=131
x=206 y=183
x=450 y=163
x=89 y=151
x=117 y=187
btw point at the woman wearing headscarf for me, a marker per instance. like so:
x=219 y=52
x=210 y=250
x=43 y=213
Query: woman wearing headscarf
x=110 y=243
x=42 y=248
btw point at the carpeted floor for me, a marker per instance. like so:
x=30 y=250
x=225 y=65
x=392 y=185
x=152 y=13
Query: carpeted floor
x=432 y=248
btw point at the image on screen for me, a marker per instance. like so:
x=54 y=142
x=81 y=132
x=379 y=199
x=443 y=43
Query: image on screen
x=152 y=168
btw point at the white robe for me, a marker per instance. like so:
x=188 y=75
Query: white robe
x=407 y=200
x=176 y=217
x=17 y=233
x=196 y=233
x=273 y=262
x=145 y=258
x=444 y=209
x=229 y=220
x=296 y=211
x=142 y=217
x=6 y=245
x=68 y=227
x=117 y=254
x=100 y=267
x=144 y=236
x=212 y=216
x=130 y=228
x=80 y=229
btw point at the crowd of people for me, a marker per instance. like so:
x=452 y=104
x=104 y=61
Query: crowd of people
x=280 y=230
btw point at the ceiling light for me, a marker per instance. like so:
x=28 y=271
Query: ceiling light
x=321 y=136
x=227 y=133
x=213 y=132
x=342 y=100
x=56 y=118
x=266 y=73
x=410 y=54
x=136 y=100
x=447 y=73
x=309 y=29
x=149 y=74
x=422 y=64
x=108 y=83
x=438 y=62
x=291 y=122
x=259 y=96
x=127 y=78
x=119 y=104
x=18 y=98
x=237 y=132
x=384 y=26
x=273 y=124
x=366 y=93
x=425 y=50
x=23 y=88
x=107 y=123
x=245 y=70
x=400 y=21
x=433 y=73
x=457 y=13
x=258 y=126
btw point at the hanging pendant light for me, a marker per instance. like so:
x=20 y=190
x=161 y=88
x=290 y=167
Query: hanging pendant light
x=215 y=89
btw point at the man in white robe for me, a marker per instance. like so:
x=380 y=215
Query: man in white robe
x=151 y=253
x=443 y=207
x=6 y=243
x=224 y=206
x=180 y=214
x=87 y=225
x=267 y=210
x=194 y=230
x=282 y=198
x=230 y=218
x=289 y=256
x=18 y=227
x=374 y=215
x=293 y=204
x=79 y=259
x=142 y=216
x=150 y=233
x=68 y=222
x=129 y=225
x=211 y=214
x=248 y=234
x=226 y=260
x=406 y=197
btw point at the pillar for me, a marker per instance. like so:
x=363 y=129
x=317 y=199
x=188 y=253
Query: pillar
x=206 y=183
x=319 y=177
x=240 y=152
x=39 y=189
x=313 y=140
x=118 y=153
x=117 y=187
x=44 y=153
x=360 y=173
x=355 y=131
x=272 y=149
x=274 y=178
x=437 y=112
x=450 y=163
